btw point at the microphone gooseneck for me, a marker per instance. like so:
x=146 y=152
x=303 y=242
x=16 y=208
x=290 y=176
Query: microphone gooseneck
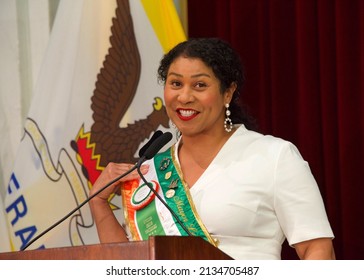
x=164 y=203
x=78 y=207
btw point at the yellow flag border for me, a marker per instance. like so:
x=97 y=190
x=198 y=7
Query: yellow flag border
x=165 y=21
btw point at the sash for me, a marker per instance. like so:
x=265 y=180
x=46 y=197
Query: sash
x=145 y=215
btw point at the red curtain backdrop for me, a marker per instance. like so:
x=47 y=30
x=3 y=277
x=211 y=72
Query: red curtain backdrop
x=304 y=63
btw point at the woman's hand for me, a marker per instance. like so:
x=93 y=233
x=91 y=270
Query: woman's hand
x=108 y=227
x=112 y=171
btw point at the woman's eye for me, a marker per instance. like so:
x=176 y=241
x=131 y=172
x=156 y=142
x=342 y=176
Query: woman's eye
x=175 y=83
x=200 y=85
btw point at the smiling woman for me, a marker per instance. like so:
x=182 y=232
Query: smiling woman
x=242 y=191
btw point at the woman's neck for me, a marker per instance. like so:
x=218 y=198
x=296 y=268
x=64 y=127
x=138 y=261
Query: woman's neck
x=201 y=149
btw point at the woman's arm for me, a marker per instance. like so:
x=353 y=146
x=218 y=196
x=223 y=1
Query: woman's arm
x=315 y=249
x=108 y=228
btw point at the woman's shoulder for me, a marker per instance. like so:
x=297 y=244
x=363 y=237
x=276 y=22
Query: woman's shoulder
x=256 y=136
x=264 y=142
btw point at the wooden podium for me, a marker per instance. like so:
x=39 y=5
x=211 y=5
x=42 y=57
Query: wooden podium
x=156 y=248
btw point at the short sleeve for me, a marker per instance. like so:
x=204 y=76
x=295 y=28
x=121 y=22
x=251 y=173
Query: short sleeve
x=297 y=199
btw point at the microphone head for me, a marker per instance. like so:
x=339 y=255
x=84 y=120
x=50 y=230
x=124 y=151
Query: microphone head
x=158 y=144
x=151 y=140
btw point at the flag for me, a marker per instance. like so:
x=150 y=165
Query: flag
x=96 y=100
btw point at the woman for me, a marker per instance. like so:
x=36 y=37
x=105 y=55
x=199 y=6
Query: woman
x=240 y=190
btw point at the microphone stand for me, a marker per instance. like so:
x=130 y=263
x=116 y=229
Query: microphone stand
x=79 y=206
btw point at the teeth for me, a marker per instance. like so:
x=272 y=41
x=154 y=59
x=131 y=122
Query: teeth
x=186 y=113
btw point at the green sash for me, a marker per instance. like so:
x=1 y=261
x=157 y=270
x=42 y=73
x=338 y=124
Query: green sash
x=146 y=215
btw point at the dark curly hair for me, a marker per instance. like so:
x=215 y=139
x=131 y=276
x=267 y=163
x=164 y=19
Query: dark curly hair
x=224 y=62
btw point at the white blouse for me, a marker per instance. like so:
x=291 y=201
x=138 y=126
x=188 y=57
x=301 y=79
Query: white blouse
x=257 y=192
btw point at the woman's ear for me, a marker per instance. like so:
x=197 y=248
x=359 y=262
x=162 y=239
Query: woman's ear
x=230 y=92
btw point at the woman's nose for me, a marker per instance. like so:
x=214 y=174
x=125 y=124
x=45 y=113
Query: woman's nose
x=185 y=95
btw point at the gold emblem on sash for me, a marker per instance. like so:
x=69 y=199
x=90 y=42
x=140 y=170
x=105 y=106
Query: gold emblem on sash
x=168 y=175
x=164 y=164
x=170 y=193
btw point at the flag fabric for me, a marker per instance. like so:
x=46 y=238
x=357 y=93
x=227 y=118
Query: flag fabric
x=96 y=100
x=4 y=236
x=10 y=105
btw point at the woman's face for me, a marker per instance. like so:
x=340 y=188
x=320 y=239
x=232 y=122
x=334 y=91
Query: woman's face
x=193 y=99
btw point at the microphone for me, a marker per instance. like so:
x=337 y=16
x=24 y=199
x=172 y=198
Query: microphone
x=150 y=152
x=149 y=149
x=155 y=146
x=151 y=140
